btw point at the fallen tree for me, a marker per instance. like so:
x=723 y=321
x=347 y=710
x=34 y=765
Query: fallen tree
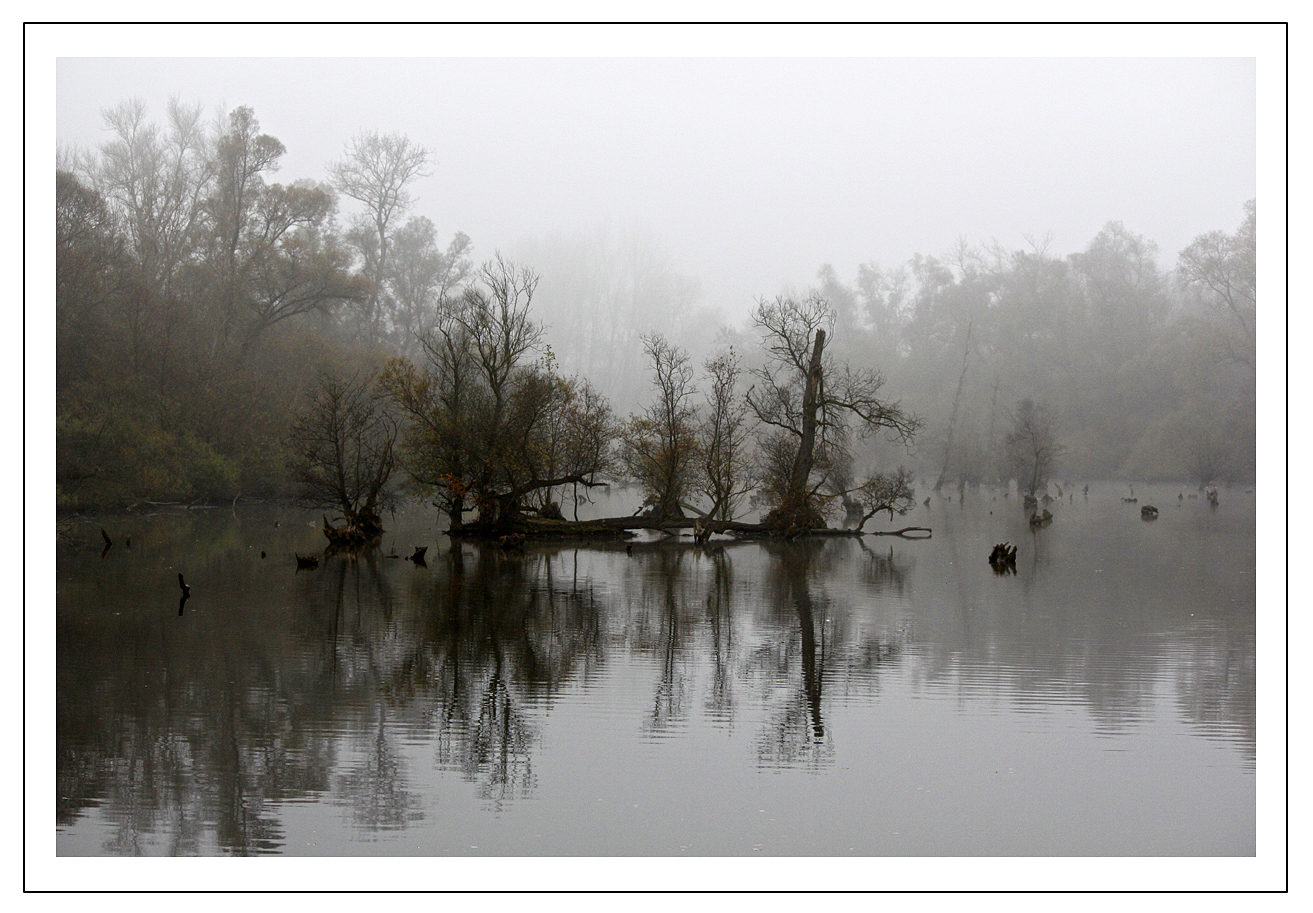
x=701 y=528
x=905 y=532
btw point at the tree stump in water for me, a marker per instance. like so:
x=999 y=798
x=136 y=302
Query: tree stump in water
x=1003 y=559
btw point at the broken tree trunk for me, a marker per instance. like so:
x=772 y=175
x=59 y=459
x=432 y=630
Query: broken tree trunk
x=805 y=459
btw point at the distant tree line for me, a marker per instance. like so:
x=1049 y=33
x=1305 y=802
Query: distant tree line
x=1139 y=373
x=221 y=335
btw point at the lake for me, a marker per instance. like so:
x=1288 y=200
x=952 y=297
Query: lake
x=872 y=696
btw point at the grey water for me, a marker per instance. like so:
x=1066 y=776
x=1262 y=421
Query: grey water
x=873 y=696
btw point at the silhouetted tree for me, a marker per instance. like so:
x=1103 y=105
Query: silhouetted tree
x=891 y=492
x=809 y=407
x=1032 y=448
x=488 y=427
x=726 y=474
x=344 y=447
x=660 y=446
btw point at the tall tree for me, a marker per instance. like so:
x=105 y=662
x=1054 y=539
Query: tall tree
x=952 y=416
x=1032 y=446
x=377 y=171
x=343 y=448
x=199 y=361
x=242 y=157
x=812 y=405
x=273 y=256
x=726 y=472
x=422 y=278
x=490 y=426
x=93 y=279
x=1225 y=266
x=156 y=181
x=660 y=445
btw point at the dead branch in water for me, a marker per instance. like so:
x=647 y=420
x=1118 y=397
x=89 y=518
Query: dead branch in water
x=904 y=532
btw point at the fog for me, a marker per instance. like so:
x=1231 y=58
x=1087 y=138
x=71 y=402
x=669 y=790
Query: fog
x=752 y=172
x=1040 y=204
x=998 y=235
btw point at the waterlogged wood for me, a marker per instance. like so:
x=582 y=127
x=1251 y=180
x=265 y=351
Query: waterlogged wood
x=612 y=526
x=761 y=529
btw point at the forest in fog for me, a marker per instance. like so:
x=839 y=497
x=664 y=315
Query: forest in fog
x=206 y=303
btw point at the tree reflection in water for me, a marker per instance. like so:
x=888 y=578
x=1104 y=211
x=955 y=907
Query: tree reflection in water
x=720 y=594
x=394 y=691
x=794 y=733
x=883 y=573
x=199 y=728
x=495 y=637
x=668 y=700
x=374 y=786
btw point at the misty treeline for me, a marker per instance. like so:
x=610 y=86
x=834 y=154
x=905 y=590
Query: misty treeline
x=221 y=334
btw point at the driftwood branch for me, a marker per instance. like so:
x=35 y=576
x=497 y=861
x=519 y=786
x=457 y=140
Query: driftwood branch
x=675 y=524
x=698 y=524
x=905 y=531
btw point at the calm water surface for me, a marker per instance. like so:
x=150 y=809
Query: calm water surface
x=872 y=696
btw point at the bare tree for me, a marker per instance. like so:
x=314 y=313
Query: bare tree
x=957 y=401
x=376 y=172
x=726 y=464
x=884 y=492
x=1225 y=265
x=344 y=448
x=660 y=445
x=490 y=427
x=459 y=402
x=1032 y=448
x=157 y=180
x=810 y=406
x=501 y=334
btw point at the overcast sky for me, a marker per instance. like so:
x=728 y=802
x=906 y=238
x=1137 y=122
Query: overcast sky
x=753 y=171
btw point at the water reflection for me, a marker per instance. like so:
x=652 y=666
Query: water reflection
x=796 y=735
x=383 y=687
x=884 y=572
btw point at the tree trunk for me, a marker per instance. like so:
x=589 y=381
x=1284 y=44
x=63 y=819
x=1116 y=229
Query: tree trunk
x=952 y=418
x=811 y=405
